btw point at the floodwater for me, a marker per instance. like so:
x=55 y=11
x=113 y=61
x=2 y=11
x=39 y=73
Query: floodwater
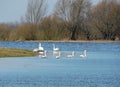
x=101 y=67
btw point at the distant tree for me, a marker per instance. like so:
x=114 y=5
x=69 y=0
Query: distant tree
x=4 y=31
x=26 y=32
x=51 y=27
x=13 y=36
x=115 y=10
x=72 y=13
x=36 y=11
x=105 y=20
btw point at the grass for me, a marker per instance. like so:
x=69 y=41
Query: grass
x=10 y=52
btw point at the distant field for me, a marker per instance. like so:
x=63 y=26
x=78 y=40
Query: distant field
x=10 y=52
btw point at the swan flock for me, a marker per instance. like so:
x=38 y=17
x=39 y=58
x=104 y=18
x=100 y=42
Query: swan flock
x=56 y=52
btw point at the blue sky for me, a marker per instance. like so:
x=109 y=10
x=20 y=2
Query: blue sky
x=13 y=10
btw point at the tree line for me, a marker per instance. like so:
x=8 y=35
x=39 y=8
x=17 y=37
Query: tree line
x=71 y=20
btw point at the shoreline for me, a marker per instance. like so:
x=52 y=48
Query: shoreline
x=94 y=41
x=91 y=41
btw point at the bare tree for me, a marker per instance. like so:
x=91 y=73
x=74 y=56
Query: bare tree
x=72 y=12
x=105 y=19
x=36 y=11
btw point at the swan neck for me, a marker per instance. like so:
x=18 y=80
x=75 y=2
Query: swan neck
x=59 y=54
x=45 y=53
x=85 y=52
x=72 y=53
x=39 y=44
x=53 y=46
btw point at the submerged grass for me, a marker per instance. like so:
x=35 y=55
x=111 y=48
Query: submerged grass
x=10 y=52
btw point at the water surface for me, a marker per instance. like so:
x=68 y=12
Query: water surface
x=100 y=69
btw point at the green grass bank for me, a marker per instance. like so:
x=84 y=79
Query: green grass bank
x=11 y=52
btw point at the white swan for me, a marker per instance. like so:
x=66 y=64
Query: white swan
x=84 y=54
x=71 y=55
x=54 y=48
x=39 y=49
x=58 y=56
x=35 y=50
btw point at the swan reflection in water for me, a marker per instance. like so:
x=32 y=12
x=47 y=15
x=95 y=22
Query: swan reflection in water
x=71 y=55
x=83 y=55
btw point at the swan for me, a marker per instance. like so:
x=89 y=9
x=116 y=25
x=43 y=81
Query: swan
x=58 y=56
x=83 y=55
x=40 y=47
x=54 y=48
x=71 y=55
x=35 y=50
